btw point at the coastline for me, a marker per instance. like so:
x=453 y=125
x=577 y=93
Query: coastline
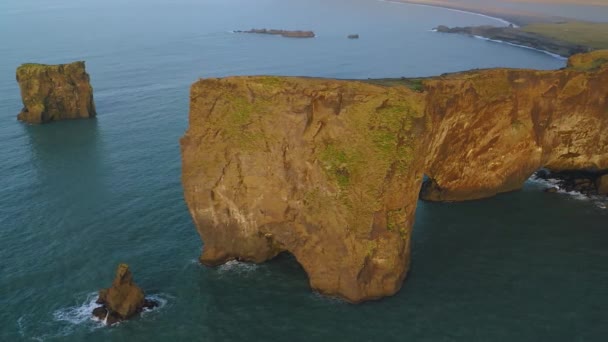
x=454 y=9
x=554 y=55
x=508 y=19
x=517 y=18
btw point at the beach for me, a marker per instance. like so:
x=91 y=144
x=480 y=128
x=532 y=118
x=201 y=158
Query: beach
x=525 y=12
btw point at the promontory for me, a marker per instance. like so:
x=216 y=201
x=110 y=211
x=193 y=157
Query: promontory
x=331 y=170
x=55 y=92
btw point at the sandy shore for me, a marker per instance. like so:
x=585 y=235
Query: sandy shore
x=510 y=14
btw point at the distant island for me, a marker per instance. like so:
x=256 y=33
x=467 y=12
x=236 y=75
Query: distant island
x=521 y=37
x=282 y=33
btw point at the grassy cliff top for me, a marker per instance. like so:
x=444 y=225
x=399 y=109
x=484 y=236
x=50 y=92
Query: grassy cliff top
x=594 y=35
x=589 y=61
x=35 y=68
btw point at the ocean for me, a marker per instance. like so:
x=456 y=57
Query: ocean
x=79 y=197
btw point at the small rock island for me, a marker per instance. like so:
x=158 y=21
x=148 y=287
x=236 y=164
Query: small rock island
x=55 y=92
x=282 y=33
x=123 y=300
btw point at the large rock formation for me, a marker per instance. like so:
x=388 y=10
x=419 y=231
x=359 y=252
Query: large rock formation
x=331 y=171
x=55 y=92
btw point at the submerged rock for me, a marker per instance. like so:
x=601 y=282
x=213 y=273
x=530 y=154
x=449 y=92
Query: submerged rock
x=123 y=299
x=353 y=36
x=330 y=171
x=55 y=92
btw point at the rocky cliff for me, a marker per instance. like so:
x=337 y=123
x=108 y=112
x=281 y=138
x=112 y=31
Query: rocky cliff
x=331 y=171
x=55 y=92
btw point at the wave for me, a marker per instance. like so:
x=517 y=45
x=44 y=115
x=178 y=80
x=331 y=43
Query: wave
x=82 y=314
x=161 y=299
x=327 y=299
x=599 y=201
x=501 y=20
x=237 y=267
x=522 y=46
x=79 y=314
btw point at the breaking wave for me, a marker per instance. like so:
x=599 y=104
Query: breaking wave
x=80 y=313
x=237 y=267
x=522 y=46
x=599 y=201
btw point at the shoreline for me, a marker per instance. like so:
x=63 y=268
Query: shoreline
x=516 y=18
x=554 y=55
x=507 y=21
x=454 y=9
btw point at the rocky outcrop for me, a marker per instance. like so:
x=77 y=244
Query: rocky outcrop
x=506 y=124
x=282 y=33
x=122 y=300
x=585 y=182
x=331 y=171
x=55 y=92
x=520 y=37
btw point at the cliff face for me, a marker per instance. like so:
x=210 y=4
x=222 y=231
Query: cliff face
x=331 y=171
x=55 y=92
x=493 y=129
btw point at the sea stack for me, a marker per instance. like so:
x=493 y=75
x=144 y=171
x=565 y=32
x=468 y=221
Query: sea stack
x=55 y=92
x=122 y=300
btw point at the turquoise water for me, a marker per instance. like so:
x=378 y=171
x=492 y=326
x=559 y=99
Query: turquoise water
x=76 y=198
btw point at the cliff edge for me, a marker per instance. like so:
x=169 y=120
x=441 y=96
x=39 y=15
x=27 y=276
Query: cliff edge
x=55 y=92
x=331 y=170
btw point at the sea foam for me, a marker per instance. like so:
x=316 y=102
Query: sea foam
x=237 y=267
x=599 y=201
x=522 y=46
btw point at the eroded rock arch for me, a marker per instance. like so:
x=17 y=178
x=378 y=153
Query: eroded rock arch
x=331 y=170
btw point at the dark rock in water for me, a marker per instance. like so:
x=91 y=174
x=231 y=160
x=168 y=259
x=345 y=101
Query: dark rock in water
x=55 y=92
x=150 y=304
x=123 y=299
x=586 y=182
x=543 y=174
x=552 y=190
x=442 y=29
x=353 y=36
x=602 y=185
x=100 y=312
x=282 y=33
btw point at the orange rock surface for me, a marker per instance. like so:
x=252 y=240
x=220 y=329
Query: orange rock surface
x=331 y=170
x=55 y=92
